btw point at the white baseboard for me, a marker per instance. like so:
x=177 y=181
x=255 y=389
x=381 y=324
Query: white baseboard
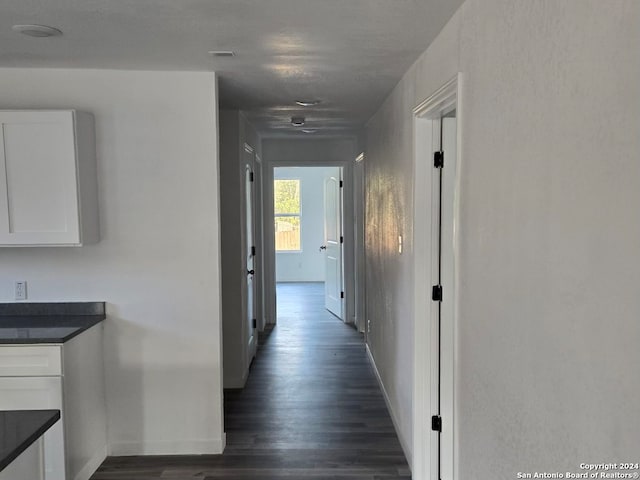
x=92 y=465
x=182 y=447
x=401 y=438
x=237 y=381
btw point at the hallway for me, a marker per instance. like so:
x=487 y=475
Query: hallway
x=311 y=409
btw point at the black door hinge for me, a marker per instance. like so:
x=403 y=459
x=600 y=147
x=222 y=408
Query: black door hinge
x=436 y=293
x=253 y=251
x=438 y=159
x=341 y=294
x=436 y=423
x=251 y=176
x=341 y=183
x=341 y=239
x=254 y=323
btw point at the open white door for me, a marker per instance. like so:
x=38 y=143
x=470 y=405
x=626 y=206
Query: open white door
x=333 y=241
x=436 y=196
x=448 y=145
x=251 y=337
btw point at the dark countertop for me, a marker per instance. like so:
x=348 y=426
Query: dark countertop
x=20 y=428
x=27 y=323
x=44 y=329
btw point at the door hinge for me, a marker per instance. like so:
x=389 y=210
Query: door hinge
x=438 y=159
x=436 y=293
x=436 y=423
x=253 y=251
x=341 y=294
x=341 y=183
x=254 y=323
x=251 y=176
x=341 y=239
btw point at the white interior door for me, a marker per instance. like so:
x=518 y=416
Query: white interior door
x=443 y=188
x=448 y=146
x=251 y=337
x=333 y=290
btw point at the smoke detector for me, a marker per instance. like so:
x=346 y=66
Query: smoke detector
x=39 y=31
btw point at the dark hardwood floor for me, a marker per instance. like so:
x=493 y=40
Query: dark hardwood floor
x=311 y=409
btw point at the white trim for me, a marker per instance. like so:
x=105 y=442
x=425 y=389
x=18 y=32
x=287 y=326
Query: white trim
x=441 y=100
x=455 y=358
x=92 y=465
x=403 y=441
x=359 y=265
x=238 y=382
x=426 y=117
x=216 y=295
x=182 y=447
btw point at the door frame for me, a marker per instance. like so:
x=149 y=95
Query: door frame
x=258 y=222
x=359 y=252
x=250 y=166
x=425 y=452
x=269 y=234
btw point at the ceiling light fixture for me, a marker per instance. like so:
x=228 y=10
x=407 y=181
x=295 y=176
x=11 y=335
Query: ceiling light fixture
x=297 y=121
x=309 y=130
x=39 y=31
x=308 y=103
x=222 y=53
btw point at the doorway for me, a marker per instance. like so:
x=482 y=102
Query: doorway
x=436 y=236
x=250 y=254
x=308 y=232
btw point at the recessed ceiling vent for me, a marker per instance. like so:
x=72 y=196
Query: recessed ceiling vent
x=222 y=53
x=39 y=31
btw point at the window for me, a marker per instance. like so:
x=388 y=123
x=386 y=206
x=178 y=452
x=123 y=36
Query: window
x=286 y=196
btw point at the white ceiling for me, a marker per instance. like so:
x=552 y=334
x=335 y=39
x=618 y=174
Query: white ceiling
x=347 y=53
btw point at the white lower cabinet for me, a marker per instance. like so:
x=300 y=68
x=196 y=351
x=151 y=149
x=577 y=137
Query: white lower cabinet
x=39 y=393
x=76 y=445
x=28 y=466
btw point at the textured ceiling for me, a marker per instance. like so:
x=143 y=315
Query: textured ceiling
x=347 y=53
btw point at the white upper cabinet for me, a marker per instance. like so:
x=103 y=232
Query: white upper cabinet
x=48 y=186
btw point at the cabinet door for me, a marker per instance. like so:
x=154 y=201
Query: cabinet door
x=38 y=179
x=38 y=393
x=28 y=466
x=30 y=360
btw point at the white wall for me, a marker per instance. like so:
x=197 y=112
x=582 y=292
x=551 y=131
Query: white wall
x=308 y=264
x=157 y=264
x=549 y=226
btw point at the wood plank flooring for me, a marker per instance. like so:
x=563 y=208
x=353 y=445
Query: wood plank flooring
x=311 y=409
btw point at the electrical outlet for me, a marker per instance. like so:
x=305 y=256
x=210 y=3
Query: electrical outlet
x=21 y=290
